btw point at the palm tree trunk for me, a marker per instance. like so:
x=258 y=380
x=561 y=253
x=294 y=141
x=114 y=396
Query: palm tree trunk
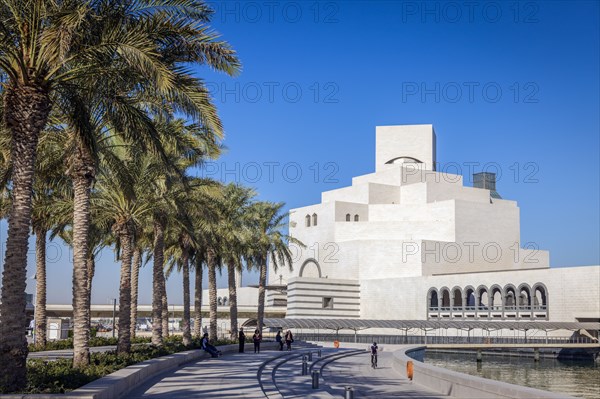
x=26 y=111
x=262 y=283
x=40 y=296
x=125 y=237
x=233 y=317
x=82 y=172
x=164 y=309
x=91 y=270
x=135 y=273
x=158 y=281
x=238 y=277
x=198 y=298
x=212 y=293
x=187 y=333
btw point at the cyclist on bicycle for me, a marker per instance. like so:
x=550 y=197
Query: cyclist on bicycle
x=374 y=355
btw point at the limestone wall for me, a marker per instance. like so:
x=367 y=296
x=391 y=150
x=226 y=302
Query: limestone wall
x=323 y=298
x=573 y=292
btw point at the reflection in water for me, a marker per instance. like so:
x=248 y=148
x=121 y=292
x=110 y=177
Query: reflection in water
x=575 y=378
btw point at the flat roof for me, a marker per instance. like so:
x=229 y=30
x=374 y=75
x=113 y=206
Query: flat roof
x=362 y=324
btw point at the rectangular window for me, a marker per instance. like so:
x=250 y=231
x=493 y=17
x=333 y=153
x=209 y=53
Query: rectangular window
x=327 y=303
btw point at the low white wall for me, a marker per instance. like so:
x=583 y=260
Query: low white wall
x=460 y=385
x=121 y=382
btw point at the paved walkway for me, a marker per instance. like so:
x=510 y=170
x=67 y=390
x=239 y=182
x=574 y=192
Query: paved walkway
x=383 y=382
x=235 y=376
x=230 y=376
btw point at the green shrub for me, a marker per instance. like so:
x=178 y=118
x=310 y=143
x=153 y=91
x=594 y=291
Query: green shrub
x=94 y=341
x=53 y=345
x=59 y=376
x=102 y=341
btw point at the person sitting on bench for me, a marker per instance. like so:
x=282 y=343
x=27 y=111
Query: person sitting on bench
x=208 y=347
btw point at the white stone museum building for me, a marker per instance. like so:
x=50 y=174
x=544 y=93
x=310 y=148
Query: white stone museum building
x=408 y=242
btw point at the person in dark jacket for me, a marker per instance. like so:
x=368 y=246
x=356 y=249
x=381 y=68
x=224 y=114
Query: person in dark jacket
x=279 y=340
x=214 y=352
x=256 y=338
x=242 y=340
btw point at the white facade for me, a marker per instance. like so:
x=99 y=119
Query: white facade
x=407 y=242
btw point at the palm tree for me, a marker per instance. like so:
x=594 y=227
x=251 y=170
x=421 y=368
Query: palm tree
x=136 y=264
x=48 y=190
x=61 y=50
x=212 y=264
x=160 y=312
x=198 y=270
x=179 y=254
x=189 y=241
x=235 y=239
x=209 y=241
x=197 y=209
x=202 y=211
x=270 y=244
x=98 y=238
x=43 y=46
x=185 y=145
x=119 y=208
x=164 y=308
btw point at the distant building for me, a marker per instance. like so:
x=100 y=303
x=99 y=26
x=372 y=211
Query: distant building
x=409 y=242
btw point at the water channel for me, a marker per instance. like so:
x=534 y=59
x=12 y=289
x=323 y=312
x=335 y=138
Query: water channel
x=575 y=378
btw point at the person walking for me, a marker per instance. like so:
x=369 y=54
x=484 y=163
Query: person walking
x=374 y=349
x=279 y=340
x=289 y=338
x=242 y=340
x=256 y=338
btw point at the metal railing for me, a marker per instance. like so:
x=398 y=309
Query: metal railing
x=435 y=339
x=482 y=311
x=524 y=308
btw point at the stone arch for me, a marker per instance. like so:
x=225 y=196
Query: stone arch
x=510 y=296
x=310 y=262
x=524 y=295
x=444 y=297
x=307 y=220
x=403 y=160
x=540 y=295
x=457 y=297
x=348 y=216
x=482 y=297
x=314 y=219
x=432 y=299
x=469 y=296
x=496 y=299
x=356 y=218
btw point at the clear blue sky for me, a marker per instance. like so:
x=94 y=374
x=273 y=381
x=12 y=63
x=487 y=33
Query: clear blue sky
x=511 y=84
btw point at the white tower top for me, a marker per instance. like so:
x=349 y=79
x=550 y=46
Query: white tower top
x=405 y=144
